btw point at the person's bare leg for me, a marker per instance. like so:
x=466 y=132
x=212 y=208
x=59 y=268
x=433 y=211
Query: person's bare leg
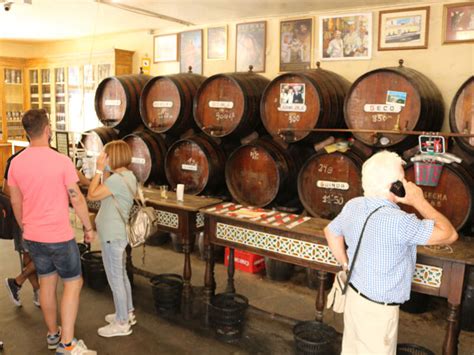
x=69 y=308
x=48 y=301
x=33 y=276
x=28 y=273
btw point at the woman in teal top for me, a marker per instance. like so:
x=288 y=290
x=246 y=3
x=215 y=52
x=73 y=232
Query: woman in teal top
x=115 y=189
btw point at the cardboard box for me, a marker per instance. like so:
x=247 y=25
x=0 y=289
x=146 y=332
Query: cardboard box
x=245 y=261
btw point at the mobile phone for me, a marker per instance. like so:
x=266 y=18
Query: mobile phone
x=398 y=189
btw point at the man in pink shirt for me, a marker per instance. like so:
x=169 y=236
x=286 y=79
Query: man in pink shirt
x=42 y=182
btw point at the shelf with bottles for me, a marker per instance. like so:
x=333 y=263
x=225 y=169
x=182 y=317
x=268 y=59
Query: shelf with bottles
x=13 y=77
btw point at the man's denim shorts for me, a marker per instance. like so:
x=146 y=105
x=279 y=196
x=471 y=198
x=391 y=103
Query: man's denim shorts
x=50 y=258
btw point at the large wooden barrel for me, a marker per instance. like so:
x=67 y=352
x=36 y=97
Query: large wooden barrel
x=117 y=100
x=263 y=172
x=454 y=195
x=148 y=155
x=95 y=139
x=198 y=163
x=304 y=100
x=327 y=181
x=166 y=103
x=390 y=99
x=228 y=104
x=461 y=115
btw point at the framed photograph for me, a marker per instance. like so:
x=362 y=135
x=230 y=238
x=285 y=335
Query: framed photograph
x=296 y=44
x=458 y=23
x=190 y=51
x=404 y=29
x=217 y=43
x=250 y=46
x=165 y=48
x=62 y=142
x=345 y=37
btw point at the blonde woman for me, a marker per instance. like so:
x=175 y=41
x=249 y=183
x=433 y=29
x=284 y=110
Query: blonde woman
x=115 y=186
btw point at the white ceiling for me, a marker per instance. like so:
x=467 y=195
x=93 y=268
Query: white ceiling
x=59 y=19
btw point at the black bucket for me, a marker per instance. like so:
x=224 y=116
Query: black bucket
x=83 y=247
x=313 y=337
x=227 y=315
x=278 y=270
x=412 y=349
x=167 y=290
x=94 y=272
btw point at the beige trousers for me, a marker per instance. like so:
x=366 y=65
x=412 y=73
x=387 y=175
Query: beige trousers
x=369 y=328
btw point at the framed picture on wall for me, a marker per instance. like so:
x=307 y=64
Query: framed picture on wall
x=296 y=44
x=165 y=48
x=190 y=51
x=458 y=23
x=404 y=29
x=250 y=45
x=345 y=37
x=217 y=43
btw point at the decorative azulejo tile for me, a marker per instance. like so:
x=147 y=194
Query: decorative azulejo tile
x=167 y=219
x=428 y=275
x=424 y=274
x=93 y=205
x=199 y=220
x=275 y=243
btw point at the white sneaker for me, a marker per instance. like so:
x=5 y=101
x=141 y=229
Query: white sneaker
x=36 y=298
x=78 y=348
x=110 y=318
x=115 y=330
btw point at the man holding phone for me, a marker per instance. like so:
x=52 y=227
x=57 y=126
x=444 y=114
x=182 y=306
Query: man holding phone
x=381 y=276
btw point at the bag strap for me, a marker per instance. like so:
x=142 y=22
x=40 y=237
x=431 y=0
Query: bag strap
x=357 y=249
x=118 y=209
x=138 y=201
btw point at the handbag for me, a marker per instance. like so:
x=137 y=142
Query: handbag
x=141 y=223
x=337 y=295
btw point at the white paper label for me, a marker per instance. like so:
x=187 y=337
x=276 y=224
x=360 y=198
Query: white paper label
x=189 y=167
x=137 y=160
x=221 y=104
x=292 y=108
x=162 y=104
x=382 y=108
x=338 y=185
x=112 y=102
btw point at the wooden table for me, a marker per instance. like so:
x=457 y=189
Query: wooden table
x=180 y=217
x=437 y=273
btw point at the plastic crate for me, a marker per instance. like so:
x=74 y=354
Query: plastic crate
x=245 y=261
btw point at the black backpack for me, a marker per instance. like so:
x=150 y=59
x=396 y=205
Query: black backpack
x=8 y=226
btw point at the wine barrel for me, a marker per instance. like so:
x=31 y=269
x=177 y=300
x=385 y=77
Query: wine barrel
x=166 y=103
x=117 y=101
x=148 y=153
x=95 y=139
x=262 y=172
x=228 y=104
x=461 y=114
x=390 y=99
x=198 y=163
x=327 y=181
x=302 y=101
x=454 y=195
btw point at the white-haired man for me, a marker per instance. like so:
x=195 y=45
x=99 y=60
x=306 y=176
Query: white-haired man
x=381 y=276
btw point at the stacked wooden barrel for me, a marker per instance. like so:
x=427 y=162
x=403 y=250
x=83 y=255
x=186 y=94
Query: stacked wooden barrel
x=394 y=98
x=116 y=101
x=166 y=103
x=319 y=104
x=227 y=105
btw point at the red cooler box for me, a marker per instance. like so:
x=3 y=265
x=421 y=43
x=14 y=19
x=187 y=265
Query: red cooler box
x=245 y=261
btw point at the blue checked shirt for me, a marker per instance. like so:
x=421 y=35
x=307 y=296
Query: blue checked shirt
x=386 y=261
